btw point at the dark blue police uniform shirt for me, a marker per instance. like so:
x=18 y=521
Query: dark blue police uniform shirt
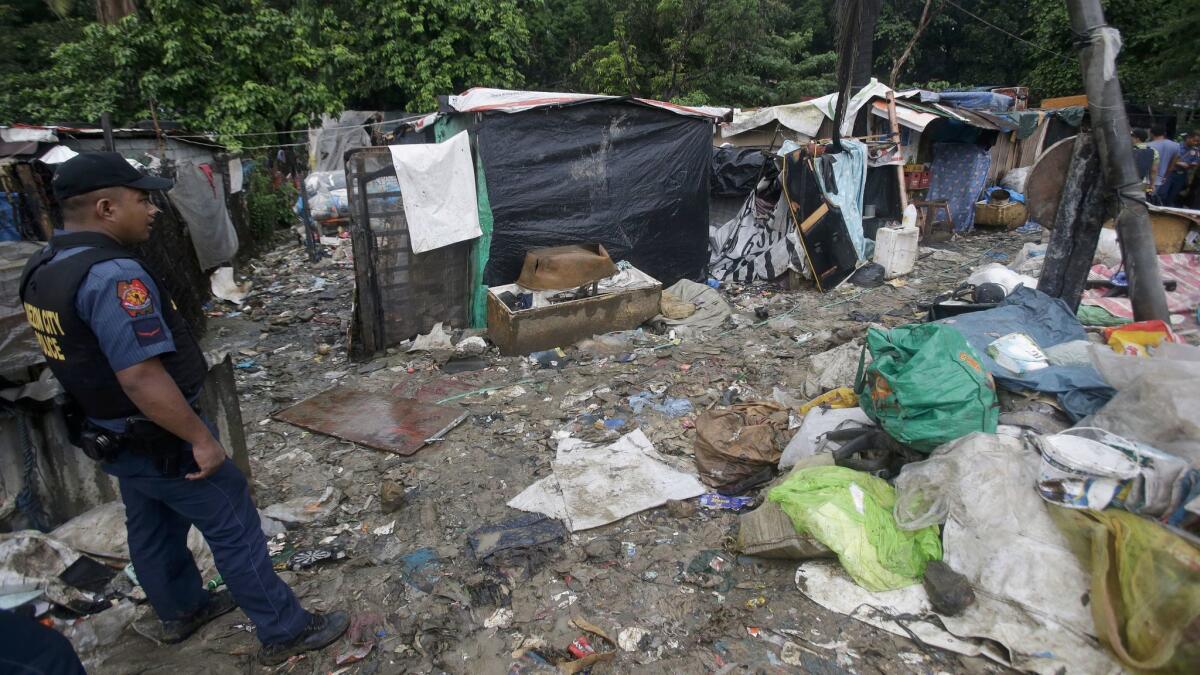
x=121 y=303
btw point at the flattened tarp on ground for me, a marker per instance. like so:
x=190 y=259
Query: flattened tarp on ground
x=631 y=177
x=1080 y=389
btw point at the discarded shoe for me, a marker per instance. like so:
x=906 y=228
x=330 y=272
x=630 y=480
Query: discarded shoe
x=172 y=632
x=321 y=631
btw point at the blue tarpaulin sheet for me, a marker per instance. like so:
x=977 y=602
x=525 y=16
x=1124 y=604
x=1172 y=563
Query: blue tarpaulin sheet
x=977 y=100
x=850 y=178
x=1080 y=389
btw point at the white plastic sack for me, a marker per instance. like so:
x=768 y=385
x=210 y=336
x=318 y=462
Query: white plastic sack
x=437 y=181
x=1014 y=180
x=1108 y=249
x=835 y=368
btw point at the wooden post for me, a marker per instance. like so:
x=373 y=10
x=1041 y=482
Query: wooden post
x=312 y=231
x=1110 y=128
x=106 y=127
x=1076 y=226
x=895 y=128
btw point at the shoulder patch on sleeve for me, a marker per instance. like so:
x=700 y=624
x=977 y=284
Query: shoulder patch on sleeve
x=135 y=297
x=148 y=331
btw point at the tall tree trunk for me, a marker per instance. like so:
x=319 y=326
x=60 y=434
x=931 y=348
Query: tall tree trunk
x=112 y=11
x=861 y=75
x=926 y=17
x=860 y=49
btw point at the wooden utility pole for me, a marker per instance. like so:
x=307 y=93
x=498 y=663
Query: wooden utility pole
x=894 y=127
x=1110 y=131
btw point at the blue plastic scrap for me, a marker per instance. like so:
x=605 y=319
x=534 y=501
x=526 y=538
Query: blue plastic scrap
x=1079 y=389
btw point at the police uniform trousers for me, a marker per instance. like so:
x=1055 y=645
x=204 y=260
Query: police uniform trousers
x=159 y=511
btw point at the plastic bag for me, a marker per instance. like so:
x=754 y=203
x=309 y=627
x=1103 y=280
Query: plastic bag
x=995 y=467
x=1133 y=339
x=735 y=443
x=1072 y=353
x=926 y=386
x=1157 y=398
x=1145 y=589
x=832 y=369
x=995 y=273
x=1014 y=179
x=850 y=512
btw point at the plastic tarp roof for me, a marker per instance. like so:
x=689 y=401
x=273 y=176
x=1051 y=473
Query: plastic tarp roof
x=917 y=116
x=978 y=100
x=483 y=99
x=913 y=119
x=806 y=117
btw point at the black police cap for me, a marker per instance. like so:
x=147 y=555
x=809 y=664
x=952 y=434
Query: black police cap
x=90 y=171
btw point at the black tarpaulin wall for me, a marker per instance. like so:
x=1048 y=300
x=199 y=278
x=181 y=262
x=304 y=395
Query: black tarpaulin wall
x=631 y=177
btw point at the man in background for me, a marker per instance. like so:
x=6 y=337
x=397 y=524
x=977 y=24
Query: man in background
x=1183 y=177
x=1145 y=158
x=1168 y=152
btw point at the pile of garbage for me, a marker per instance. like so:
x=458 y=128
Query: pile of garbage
x=975 y=474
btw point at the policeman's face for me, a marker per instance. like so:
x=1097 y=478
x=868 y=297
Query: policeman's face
x=130 y=214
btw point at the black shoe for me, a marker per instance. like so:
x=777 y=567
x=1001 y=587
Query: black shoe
x=321 y=631
x=179 y=630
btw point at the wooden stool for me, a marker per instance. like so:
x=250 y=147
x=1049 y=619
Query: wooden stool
x=928 y=212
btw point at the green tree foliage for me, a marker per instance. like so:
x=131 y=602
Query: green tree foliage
x=236 y=66
x=743 y=52
x=31 y=31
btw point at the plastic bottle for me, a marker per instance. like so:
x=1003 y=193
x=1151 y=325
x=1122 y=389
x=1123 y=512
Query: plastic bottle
x=910 y=216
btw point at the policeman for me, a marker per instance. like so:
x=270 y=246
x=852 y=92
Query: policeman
x=118 y=345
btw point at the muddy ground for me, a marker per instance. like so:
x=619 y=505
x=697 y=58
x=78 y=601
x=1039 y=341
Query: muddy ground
x=427 y=611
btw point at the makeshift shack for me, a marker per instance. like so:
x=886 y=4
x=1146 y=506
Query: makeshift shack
x=946 y=145
x=44 y=480
x=550 y=169
x=201 y=218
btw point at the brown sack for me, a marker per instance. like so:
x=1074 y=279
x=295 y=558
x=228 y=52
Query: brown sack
x=737 y=442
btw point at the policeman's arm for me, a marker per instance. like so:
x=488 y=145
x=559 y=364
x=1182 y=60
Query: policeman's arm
x=153 y=391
